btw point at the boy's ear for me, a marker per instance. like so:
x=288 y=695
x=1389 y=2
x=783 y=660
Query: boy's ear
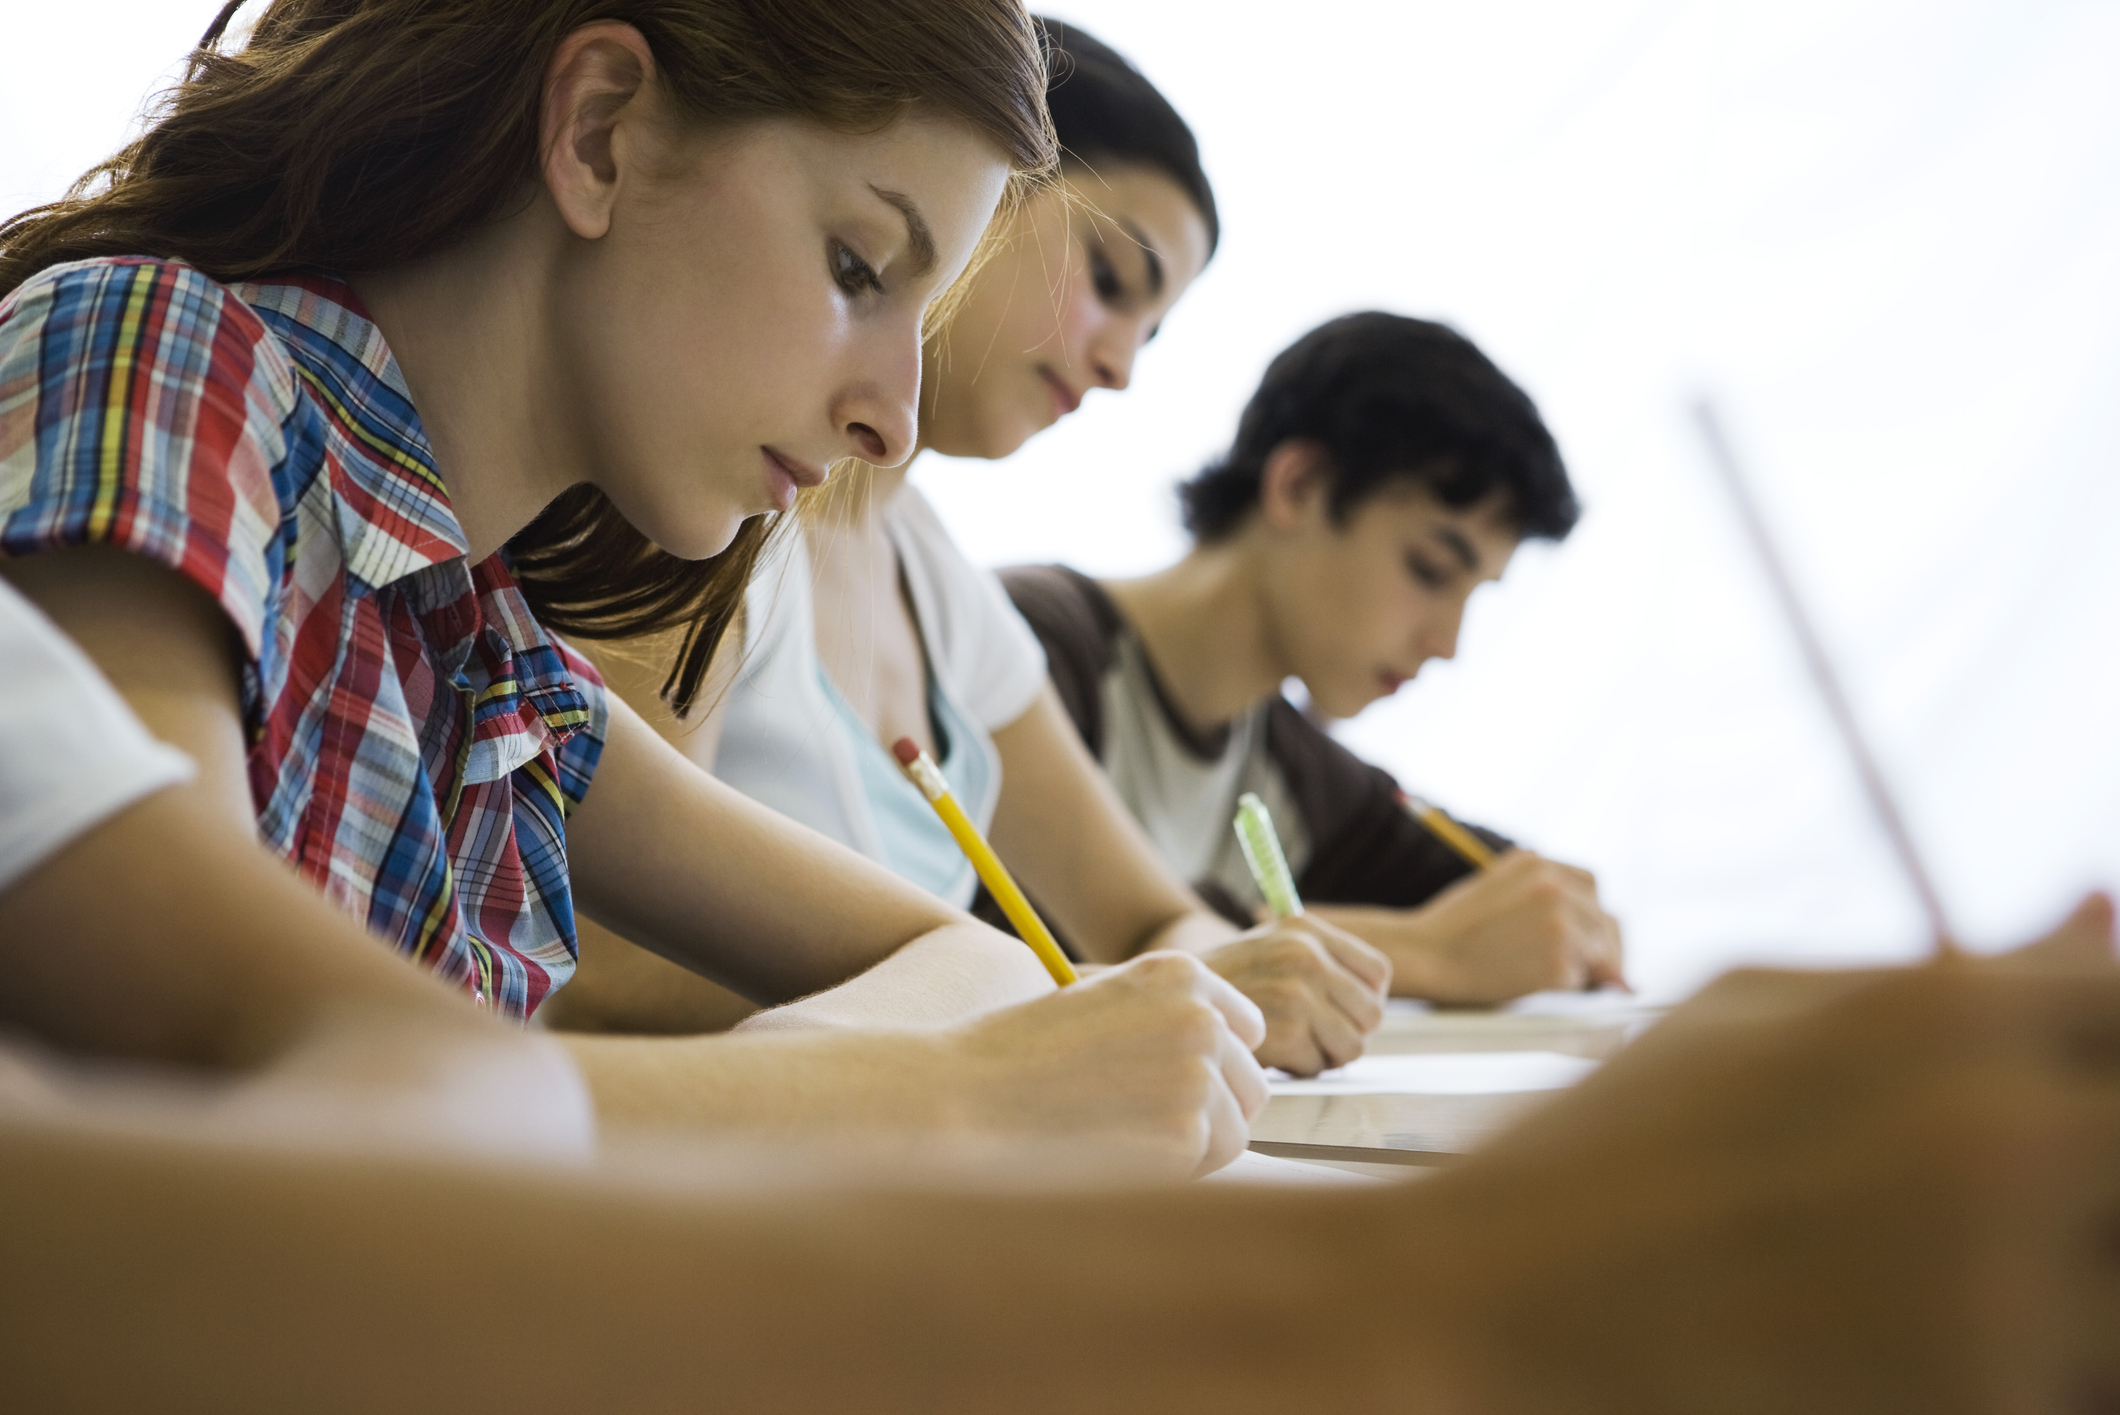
x=1295 y=485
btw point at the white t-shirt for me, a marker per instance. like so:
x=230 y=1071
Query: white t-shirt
x=790 y=742
x=71 y=752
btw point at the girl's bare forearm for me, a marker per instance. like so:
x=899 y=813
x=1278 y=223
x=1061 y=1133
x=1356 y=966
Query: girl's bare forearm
x=234 y=1292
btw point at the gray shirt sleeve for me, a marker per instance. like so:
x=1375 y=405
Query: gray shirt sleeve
x=1365 y=848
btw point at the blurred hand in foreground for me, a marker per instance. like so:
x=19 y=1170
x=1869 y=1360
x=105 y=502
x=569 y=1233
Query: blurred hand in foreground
x=1863 y=1192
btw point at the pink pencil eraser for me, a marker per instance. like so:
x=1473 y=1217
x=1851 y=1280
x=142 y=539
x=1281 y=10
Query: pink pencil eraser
x=906 y=750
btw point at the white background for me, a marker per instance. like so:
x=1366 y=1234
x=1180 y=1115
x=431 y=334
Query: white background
x=1882 y=233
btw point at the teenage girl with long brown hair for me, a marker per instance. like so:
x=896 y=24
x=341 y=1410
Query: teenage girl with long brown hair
x=417 y=330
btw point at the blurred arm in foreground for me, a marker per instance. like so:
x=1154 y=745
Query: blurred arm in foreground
x=1877 y=1192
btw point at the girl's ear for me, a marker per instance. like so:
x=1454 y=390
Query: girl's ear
x=1295 y=485
x=596 y=89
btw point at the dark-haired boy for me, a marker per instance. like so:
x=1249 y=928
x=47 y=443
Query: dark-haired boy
x=1383 y=471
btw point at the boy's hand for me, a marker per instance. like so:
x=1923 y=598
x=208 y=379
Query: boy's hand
x=1526 y=924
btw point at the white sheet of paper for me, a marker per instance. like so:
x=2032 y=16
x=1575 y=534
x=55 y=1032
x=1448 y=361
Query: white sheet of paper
x=1591 y=1006
x=1251 y=1167
x=1605 y=1002
x=1454 y=1073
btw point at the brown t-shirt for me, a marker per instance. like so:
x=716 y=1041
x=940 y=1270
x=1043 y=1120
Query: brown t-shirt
x=1342 y=821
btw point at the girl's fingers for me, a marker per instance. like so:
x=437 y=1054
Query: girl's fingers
x=1367 y=963
x=1245 y=1020
x=1337 y=1040
x=1244 y=1080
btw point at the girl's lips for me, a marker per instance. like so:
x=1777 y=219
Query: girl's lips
x=1390 y=683
x=785 y=477
x=1065 y=399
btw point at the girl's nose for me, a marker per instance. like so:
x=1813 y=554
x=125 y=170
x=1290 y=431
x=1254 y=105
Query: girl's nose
x=879 y=415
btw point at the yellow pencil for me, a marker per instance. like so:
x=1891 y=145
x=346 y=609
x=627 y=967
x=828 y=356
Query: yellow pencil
x=1448 y=831
x=999 y=882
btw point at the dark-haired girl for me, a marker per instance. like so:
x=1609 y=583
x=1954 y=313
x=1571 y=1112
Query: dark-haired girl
x=873 y=626
x=418 y=329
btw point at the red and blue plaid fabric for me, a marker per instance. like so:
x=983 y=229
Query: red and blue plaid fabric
x=416 y=739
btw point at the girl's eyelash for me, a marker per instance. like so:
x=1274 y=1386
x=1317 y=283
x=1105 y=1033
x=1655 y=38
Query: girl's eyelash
x=853 y=274
x=1104 y=278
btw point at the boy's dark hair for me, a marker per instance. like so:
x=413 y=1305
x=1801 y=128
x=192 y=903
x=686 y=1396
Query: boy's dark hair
x=1392 y=399
x=1105 y=109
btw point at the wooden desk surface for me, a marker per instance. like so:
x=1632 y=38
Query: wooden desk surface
x=1426 y=1130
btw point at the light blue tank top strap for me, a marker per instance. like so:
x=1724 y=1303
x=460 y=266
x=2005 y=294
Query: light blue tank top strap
x=917 y=846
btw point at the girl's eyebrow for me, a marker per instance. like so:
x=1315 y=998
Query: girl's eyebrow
x=917 y=232
x=1148 y=253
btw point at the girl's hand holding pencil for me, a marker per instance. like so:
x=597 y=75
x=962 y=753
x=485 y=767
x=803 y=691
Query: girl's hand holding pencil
x=999 y=882
x=1322 y=989
x=1139 y=1030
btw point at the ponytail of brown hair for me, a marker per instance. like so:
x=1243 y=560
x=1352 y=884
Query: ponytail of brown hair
x=351 y=135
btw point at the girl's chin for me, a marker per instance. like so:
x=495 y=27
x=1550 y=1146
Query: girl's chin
x=1010 y=435
x=987 y=438
x=699 y=539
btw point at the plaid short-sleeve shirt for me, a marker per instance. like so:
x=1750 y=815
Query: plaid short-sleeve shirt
x=416 y=739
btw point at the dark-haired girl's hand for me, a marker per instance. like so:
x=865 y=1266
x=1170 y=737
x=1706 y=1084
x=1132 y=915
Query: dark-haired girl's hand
x=1320 y=988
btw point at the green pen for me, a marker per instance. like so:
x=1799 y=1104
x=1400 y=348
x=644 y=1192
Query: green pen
x=1262 y=851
